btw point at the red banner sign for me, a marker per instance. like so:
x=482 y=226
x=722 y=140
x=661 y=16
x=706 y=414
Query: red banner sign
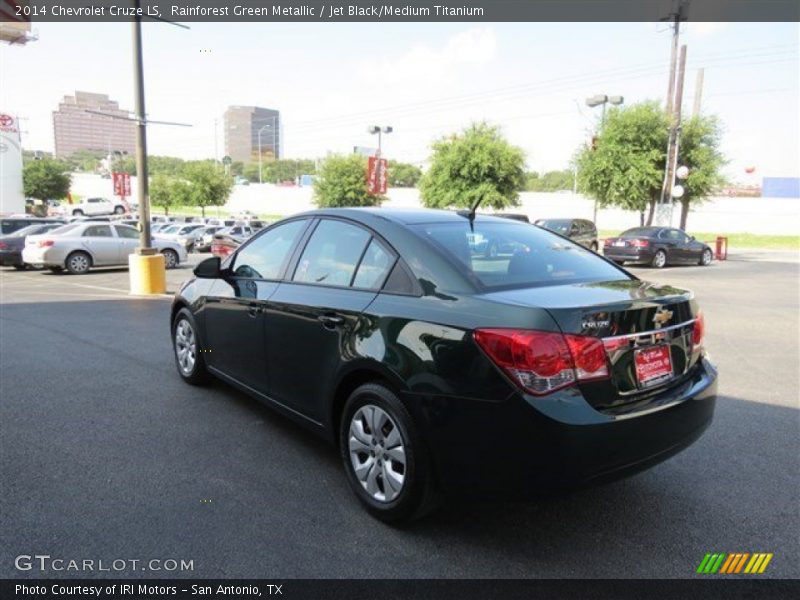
x=377 y=175
x=122 y=184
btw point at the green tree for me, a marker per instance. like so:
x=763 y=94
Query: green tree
x=207 y=185
x=342 y=181
x=125 y=164
x=476 y=166
x=45 y=179
x=167 y=191
x=625 y=165
x=699 y=151
x=552 y=181
x=403 y=174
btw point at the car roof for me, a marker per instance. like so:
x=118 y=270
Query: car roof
x=405 y=216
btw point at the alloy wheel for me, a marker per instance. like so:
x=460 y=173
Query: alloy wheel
x=706 y=257
x=660 y=259
x=185 y=346
x=377 y=453
x=170 y=259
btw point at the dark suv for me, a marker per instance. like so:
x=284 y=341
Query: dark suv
x=581 y=231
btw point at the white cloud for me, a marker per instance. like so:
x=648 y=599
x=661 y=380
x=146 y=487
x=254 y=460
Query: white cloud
x=470 y=48
x=705 y=28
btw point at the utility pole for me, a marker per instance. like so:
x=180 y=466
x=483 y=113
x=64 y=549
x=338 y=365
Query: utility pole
x=672 y=148
x=143 y=196
x=698 y=92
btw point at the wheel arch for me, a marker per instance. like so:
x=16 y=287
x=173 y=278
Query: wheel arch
x=354 y=377
x=85 y=251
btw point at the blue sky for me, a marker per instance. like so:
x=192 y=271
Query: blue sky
x=331 y=80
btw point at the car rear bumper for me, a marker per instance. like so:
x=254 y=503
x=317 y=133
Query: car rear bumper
x=525 y=445
x=638 y=255
x=10 y=259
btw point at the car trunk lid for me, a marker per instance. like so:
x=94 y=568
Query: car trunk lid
x=646 y=330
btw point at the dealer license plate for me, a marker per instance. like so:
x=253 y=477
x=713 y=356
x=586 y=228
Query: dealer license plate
x=653 y=365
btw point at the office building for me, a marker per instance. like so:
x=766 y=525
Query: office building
x=244 y=125
x=77 y=129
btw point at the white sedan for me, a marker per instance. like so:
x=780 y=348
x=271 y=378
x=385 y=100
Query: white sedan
x=78 y=247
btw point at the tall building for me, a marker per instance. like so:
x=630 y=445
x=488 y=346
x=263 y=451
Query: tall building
x=76 y=129
x=242 y=127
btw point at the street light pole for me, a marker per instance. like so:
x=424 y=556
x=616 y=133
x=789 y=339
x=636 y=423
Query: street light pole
x=142 y=194
x=380 y=130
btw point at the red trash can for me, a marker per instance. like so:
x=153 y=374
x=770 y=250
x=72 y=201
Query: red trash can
x=721 y=252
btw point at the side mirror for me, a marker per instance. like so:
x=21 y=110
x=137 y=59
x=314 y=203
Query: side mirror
x=209 y=268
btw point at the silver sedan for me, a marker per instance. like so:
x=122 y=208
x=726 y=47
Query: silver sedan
x=78 y=247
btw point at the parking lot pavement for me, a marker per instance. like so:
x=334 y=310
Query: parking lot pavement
x=106 y=454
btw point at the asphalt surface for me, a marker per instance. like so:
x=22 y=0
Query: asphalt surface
x=106 y=454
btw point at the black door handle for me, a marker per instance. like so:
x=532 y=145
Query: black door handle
x=330 y=321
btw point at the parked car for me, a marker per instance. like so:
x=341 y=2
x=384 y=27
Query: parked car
x=205 y=237
x=237 y=232
x=10 y=224
x=11 y=245
x=94 y=206
x=78 y=247
x=184 y=234
x=581 y=231
x=434 y=369
x=657 y=247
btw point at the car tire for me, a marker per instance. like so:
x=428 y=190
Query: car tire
x=659 y=260
x=171 y=259
x=395 y=453
x=189 y=359
x=21 y=267
x=77 y=213
x=706 y=257
x=78 y=263
x=119 y=210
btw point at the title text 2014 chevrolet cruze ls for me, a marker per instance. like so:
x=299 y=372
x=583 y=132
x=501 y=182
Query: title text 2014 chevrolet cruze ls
x=435 y=368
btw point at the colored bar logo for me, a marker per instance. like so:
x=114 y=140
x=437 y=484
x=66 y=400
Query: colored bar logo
x=731 y=564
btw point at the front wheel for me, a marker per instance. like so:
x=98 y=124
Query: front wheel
x=170 y=258
x=188 y=353
x=386 y=461
x=705 y=258
x=659 y=260
x=119 y=210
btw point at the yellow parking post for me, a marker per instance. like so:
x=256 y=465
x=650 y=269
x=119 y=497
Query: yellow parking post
x=148 y=274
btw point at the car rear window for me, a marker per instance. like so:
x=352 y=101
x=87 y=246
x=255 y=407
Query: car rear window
x=509 y=255
x=638 y=232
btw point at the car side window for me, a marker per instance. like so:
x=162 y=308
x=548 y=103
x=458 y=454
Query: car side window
x=127 y=232
x=266 y=256
x=374 y=267
x=332 y=253
x=98 y=231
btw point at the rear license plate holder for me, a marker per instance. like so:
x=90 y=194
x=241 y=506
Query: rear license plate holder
x=653 y=365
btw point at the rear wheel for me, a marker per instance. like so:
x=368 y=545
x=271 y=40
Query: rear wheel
x=386 y=461
x=706 y=257
x=78 y=263
x=119 y=210
x=659 y=260
x=170 y=258
x=188 y=354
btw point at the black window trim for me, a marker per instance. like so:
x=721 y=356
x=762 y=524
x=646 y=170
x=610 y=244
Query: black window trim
x=372 y=235
x=231 y=260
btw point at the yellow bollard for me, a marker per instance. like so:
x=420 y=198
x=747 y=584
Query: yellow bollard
x=147 y=273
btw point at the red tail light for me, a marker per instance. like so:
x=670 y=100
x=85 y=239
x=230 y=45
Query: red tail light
x=3 y=245
x=608 y=241
x=639 y=243
x=45 y=243
x=541 y=361
x=699 y=331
